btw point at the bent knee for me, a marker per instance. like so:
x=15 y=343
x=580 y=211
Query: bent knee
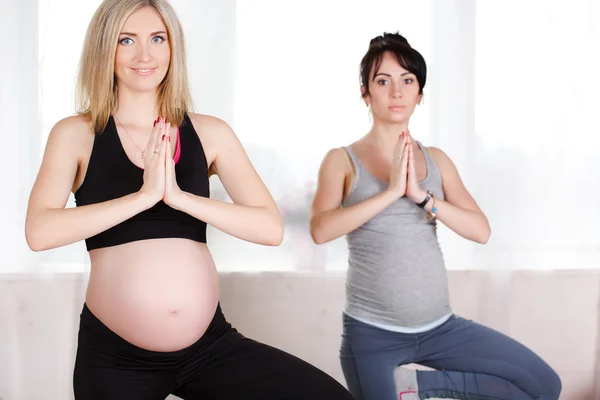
x=551 y=386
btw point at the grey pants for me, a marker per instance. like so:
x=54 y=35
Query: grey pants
x=471 y=362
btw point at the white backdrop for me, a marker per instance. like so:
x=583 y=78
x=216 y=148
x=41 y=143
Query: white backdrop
x=511 y=97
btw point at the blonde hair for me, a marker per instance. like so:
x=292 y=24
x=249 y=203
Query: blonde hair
x=96 y=93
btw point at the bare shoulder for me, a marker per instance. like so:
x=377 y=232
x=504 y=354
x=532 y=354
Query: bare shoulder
x=210 y=128
x=73 y=133
x=334 y=180
x=441 y=159
x=213 y=132
x=438 y=153
x=74 y=129
x=75 y=124
x=66 y=147
x=216 y=136
x=336 y=159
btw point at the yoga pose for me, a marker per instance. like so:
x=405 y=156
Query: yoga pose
x=138 y=161
x=386 y=193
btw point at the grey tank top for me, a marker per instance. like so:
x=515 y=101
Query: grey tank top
x=396 y=274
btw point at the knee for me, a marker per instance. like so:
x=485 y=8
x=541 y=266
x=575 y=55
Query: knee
x=551 y=387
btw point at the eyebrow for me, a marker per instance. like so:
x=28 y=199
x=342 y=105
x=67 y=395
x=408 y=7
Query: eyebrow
x=388 y=75
x=134 y=34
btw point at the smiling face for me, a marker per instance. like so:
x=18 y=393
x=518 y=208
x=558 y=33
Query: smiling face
x=394 y=92
x=143 y=52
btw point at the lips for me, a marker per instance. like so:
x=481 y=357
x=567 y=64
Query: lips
x=143 y=71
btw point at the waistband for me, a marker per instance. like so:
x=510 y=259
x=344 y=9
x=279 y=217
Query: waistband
x=92 y=332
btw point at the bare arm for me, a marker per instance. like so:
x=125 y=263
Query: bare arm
x=328 y=221
x=458 y=211
x=48 y=224
x=253 y=216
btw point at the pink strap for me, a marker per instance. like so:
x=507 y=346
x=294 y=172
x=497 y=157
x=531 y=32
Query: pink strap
x=177 y=148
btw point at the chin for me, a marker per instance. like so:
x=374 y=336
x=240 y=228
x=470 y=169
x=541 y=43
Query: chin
x=394 y=119
x=138 y=88
x=147 y=87
x=142 y=85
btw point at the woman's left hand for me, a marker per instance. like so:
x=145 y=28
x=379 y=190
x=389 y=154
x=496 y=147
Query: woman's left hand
x=413 y=189
x=172 y=190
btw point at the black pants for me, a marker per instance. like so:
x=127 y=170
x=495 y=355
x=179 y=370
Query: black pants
x=223 y=364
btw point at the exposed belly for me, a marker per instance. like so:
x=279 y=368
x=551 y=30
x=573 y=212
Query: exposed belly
x=158 y=294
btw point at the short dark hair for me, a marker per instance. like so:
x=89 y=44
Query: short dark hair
x=409 y=58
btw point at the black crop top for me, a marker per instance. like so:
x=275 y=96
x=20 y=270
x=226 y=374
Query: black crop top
x=110 y=175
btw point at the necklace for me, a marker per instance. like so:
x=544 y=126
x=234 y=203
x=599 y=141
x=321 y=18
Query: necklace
x=143 y=155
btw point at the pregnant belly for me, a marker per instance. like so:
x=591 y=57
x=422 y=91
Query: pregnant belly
x=158 y=294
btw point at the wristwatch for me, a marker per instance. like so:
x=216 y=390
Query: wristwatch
x=424 y=202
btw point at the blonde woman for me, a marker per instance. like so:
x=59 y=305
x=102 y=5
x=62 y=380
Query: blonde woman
x=138 y=163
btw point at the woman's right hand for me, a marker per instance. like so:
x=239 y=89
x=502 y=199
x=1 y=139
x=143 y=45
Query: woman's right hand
x=399 y=171
x=154 y=165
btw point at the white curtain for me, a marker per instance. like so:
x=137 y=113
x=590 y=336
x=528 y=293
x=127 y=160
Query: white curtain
x=19 y=108
x=511 y=97
x=536 y=148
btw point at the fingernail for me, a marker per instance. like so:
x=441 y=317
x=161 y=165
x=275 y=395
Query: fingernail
x=163 y=137
x=155 y=123
x=169 y=138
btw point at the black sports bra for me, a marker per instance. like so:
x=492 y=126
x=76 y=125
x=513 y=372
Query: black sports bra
x=110 y=175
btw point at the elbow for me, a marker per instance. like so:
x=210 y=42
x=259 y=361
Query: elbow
x=317 y=236
x=274 y=236
x=485 y=235
x=483 y=240
x=35 y=236
x=316 y=233
x=482 y=231
x=34 y=241
x=34 y=246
